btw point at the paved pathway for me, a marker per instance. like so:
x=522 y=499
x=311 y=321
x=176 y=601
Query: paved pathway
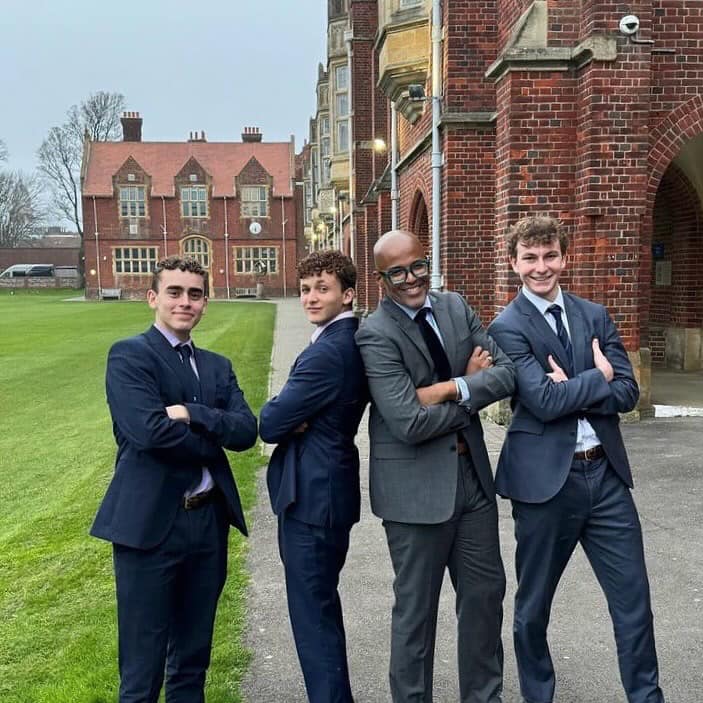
x=670 y=497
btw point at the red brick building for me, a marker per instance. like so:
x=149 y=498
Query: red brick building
x=545 y=106
x=232 y=205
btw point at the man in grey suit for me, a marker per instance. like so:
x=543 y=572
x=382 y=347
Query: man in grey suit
x=431 y=367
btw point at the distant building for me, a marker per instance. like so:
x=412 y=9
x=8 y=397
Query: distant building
x=231 y=205
x=543 y=107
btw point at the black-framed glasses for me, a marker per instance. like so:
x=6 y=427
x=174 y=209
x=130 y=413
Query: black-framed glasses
x=397 y=275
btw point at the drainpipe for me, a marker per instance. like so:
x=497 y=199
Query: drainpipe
x=283 y=244
x=436 y=278
x=348 y=38
x=226 y=251
x=163 y=226
x=394 y=166
x=97 y=248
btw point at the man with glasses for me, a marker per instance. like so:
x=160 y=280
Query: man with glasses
x=431 y=367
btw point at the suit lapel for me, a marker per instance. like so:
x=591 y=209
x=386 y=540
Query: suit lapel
x=409 y=328
x=172 y=358
x=542 y=330
x=206 y=374
x=577 y=328
x=440 y=310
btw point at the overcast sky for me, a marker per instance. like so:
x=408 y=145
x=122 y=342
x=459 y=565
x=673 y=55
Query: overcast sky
x=217 y=66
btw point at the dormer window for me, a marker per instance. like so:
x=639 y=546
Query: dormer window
x=132 y=202
x=194 y=201
x=254 y=201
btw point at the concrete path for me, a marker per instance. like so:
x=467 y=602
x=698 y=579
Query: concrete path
x=666 y=457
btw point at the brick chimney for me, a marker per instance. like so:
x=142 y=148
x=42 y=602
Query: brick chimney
x=197 y=136
x=131 y=127
x=251 y=134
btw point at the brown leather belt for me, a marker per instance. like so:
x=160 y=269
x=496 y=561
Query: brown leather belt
x=199 y=499
x=591 y=454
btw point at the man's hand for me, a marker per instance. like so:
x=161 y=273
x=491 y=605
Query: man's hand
x=601 y=362
x=302 y=427
x=557 y=373
x=437 y=393
x=480 y=359
x=178 y=413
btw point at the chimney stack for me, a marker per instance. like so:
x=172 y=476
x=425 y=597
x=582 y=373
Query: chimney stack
x=197 y=136
x=251 y=134
x=131 y=127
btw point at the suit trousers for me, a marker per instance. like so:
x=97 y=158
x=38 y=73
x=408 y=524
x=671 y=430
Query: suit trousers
x=313 y=558
x=594 y=508
x=467 y=544
x=166 y=602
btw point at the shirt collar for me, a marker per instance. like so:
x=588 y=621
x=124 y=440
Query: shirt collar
x=542 y=303
x=321 y=328
x=412 y=312
x=171 y=338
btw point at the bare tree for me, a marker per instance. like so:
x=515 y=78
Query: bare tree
x=96 y=119
x=20 y=207
x=3 y=151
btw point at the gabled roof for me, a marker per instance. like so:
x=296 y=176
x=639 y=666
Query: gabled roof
x=163 y=160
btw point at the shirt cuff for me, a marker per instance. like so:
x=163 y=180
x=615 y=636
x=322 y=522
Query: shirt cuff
x=463 y=395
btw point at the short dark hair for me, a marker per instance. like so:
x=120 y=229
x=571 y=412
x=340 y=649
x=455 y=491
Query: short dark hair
x=182 y=263
x=535 y=231
x=330 y=261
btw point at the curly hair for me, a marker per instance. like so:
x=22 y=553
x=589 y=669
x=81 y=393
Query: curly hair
x=171 y=263
x=538 y=230
x=330 y=261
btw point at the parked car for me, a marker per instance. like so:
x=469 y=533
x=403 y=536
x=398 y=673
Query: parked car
x=25 y=270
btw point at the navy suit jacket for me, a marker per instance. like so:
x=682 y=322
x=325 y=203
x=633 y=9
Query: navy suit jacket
x=314 y=475
x=159 y=459
x=540 y=443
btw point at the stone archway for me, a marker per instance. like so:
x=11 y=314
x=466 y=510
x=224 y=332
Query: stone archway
x=671 y=270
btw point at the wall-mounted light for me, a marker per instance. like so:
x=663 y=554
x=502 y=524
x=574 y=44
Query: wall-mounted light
x=93 y=272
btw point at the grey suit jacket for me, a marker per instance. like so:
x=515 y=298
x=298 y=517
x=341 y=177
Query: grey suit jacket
x=413 y=468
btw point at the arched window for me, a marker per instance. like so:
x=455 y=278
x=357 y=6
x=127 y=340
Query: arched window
x=199 y=249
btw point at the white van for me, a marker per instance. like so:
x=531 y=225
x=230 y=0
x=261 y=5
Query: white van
x=24 y=270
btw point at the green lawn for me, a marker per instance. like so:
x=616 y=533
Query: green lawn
x=57 y=609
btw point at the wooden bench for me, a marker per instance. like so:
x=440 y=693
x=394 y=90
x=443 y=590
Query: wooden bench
x=115 y=293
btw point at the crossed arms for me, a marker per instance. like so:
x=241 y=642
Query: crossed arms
x=193 y=431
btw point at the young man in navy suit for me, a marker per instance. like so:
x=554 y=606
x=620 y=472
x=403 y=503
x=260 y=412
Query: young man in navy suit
x=564 y=465
x=313 y=475
x=168 y=508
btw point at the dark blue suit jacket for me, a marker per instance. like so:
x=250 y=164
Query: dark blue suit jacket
x=314 y=476
x=158 y=459
x=539 y=446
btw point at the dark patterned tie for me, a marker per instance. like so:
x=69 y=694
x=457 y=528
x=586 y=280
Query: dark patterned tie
x=186 y=352
x=556 y=311
x=439 y=356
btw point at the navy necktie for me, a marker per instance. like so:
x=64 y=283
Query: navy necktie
x=439 y=356
x=186 y=352
x=563 y=335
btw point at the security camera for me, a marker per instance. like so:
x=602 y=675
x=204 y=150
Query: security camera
x=629 y=25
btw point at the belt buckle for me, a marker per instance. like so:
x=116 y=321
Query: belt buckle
x=591 y=453
x=189 y=503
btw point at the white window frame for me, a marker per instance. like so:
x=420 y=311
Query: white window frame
x=126 y=259
x=254 y=201
x=246 y=257
x=194 y=201
x=133 y=201
x=341 y=110
x=199 y=248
